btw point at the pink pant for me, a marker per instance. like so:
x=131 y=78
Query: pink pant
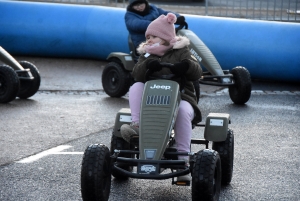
x=183 y=125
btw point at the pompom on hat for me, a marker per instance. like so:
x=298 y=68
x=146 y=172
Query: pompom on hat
x=163 y=27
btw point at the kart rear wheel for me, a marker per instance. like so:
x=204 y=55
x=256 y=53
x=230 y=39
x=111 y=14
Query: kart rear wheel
x=206 y=176
x=120 y=144
x=115 y=80
x=9 y=84
x=240 y=92
x=95 y=173
x=226 y=152
x=29 y=87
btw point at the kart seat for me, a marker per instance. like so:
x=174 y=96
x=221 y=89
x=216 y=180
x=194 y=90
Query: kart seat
x=132 y=48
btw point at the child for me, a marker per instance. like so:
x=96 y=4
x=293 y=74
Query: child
x=162 y=45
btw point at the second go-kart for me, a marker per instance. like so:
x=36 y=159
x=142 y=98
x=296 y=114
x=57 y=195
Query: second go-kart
x=151 y=155
x=116 y=77
x=17 y=79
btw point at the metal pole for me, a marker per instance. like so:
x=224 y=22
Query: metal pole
x=289 y=9
x=206 y=7
x=226 y=7
x=260 y=11
x=253 y=10
x=233 y=8
x=240 y=9
x=213 y=10
x=281 y=10
x=274 y=10
x=296 y=11
x=267 y=9
x=246 y=9
x=220 y=8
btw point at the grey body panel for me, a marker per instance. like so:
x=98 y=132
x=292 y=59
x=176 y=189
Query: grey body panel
x=126 y=59
x=201 y=52
x=159 y=109
x=216 y=127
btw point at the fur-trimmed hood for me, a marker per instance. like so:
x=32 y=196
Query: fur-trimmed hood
x=178 y=43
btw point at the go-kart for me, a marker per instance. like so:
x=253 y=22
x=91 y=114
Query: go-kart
x=152 y=154
x=116 y=77
x=17 y=79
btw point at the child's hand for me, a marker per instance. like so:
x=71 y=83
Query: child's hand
x=154 y=65
x=180 y=68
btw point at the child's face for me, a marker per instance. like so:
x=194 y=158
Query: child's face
x=150 y=40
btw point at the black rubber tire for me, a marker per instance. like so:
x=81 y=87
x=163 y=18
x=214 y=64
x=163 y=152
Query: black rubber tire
x=9 y=84
x=240 y=92
x=95 y=173
x=206 y=176
x=29 y=87
x=226 y=152
x=120 y=144
x=115 y=80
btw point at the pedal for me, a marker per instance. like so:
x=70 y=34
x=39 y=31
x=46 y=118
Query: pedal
x=182 y=183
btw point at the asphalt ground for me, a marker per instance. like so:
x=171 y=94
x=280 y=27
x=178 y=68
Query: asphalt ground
x=42 y=139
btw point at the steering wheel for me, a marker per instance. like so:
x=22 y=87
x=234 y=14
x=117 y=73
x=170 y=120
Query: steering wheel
x=181 y=26
x=149 y=75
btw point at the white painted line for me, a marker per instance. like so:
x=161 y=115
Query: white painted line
x=70 y=153
x=36 y=157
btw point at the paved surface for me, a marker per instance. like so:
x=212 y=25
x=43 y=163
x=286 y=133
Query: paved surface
x=40 y=122
x=42 y=139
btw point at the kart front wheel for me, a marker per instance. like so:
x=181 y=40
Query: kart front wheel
x=9 y=84
x=95 y=173
x=29 y=87
x=115 y=80
x=226 y=151
x=206 y=176
x=240 y=92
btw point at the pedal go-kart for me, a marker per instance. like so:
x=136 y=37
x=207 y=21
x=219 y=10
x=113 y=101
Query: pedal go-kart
x=152 y=155
x=116 y=77
x=17 y=79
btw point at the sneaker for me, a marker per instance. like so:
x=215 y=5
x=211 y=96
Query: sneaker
x=128 y=131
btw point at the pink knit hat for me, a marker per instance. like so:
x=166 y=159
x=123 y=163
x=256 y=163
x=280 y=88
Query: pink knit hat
x=163 y=27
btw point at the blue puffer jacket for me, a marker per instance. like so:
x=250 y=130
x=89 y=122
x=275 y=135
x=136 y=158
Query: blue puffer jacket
x=137 y=24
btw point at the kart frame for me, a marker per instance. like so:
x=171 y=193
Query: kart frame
x=17 y=79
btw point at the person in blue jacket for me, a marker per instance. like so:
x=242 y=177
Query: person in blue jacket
x=139 y=15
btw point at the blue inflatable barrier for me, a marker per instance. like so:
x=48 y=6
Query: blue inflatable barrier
x=61 y=30
x=269 y=50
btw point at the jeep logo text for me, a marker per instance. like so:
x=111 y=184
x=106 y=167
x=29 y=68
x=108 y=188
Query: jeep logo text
x=160 y=87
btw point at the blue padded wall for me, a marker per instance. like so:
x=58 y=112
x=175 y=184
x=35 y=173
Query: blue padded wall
x=269 y=50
